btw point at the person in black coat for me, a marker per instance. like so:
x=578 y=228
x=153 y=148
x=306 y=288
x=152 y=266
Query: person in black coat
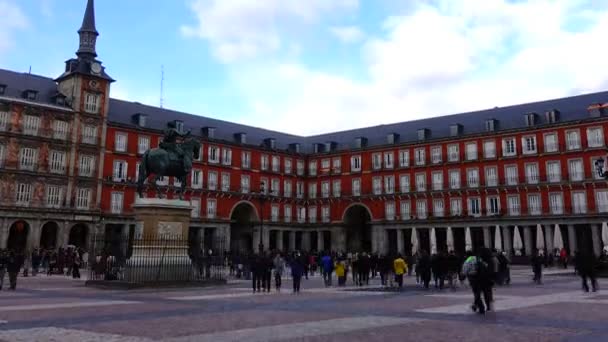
x=586 y=264
x=257 y=272
x=364 y=269
x=423 y=267
x=297 y=270
x=13 y=266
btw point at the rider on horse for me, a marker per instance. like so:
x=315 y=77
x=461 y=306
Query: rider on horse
x=171 y=145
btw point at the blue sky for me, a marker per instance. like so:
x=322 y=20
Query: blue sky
x=315 y=66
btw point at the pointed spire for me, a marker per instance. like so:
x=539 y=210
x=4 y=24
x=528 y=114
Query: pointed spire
x=88 y=33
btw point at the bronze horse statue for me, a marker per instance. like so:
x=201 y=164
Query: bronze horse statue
x=161 y=162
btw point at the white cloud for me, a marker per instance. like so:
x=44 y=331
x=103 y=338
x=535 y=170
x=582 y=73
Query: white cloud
x=244 y=29
x=347 y=34
x=13 y=20
x=442 y=59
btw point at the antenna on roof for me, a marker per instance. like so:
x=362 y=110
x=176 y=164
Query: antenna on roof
x=162 y=81
x=30 y=72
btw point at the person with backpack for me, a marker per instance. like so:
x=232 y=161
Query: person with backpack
x=479 y=273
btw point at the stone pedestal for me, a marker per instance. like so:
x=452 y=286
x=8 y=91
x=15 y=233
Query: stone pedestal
x=160 y=245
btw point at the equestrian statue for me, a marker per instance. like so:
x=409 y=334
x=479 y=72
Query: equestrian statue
x=173 y=157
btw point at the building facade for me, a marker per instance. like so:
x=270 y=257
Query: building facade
x=69 y=157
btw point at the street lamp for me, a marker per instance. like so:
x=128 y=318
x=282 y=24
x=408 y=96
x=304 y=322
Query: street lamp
x=262 y=198
x=599 y=167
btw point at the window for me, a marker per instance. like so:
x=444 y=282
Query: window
x=337 y=165
x=556 y=203
x=91 y=103
x=2 y=154
x=24 y=194
x=325 y=166
x=389 y=210
x=493 y=206
x=573 y=140
x=195 y=203
x=301 y=214
x=529 y=144
x=456 y=207
x=312 y=168
x=120 y=171
x=287 y=213
x=389 y=184
x=376 y=161
x=473 y=178
x=534 y=206
x=532 y=173
x=551 y=143
x=454 y=179
x=337 y=188
x=211 y=208
x=85 y=166
x=274 y=213
x=474 y=206
x=212 y=180
x=300 y=167
x=83 y=197
x=389 y=160
x=406 y=210
x=471 y=151
x=312 y=214
x=227 y=157
x=89 y=134
x=530 y=119
x=453 y=153
x=31 y=124
x=54 y=196
x=287 y=188
x=404 y=158
x=513 y=205
x=421 y=211
x=226 y=182
x=420 y=182
x=197 y=179
x=490 y=125
x=120 y=141
x=116 y=202
x=355 y=163
x=27 y=158
x=60 y=129
x=508 y=147
x=595 y=137
x=511 y=175
x=312 y=190
x=143 y=144
x=420 y=156
x=57 y=162
x=489 y=149
x=4 y=120
x=245 y=184
x=246 y=160
x=214 y=154
x=276 y=164
x=325 y=189
x=357 y=187
x=579 y=202
x=575 y=170
x=404 y=183
x=287 y=166
x=438 y=208
x=137 y=166
x=300 y=189
x=491 y=176
x=436 y=154
x=179 y=126
x=377 y=185
x=554 y=172
x=601 y=201
x=325 y=214
x=437 y=180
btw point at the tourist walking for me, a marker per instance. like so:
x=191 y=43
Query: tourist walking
x=341 y=271
x=13 y=265
x=479 y=274
x=328 y=268
x=423 y=268
x=586 y=264
x=400 y=267
x=297 y=270
x=537 y=267
x=279 y=266
x=76 y=265
x=384 y=265
x=3 y=266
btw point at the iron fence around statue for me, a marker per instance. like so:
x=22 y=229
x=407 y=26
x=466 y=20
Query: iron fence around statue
x=150 y=260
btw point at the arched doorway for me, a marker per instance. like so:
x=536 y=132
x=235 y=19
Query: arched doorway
x=48 y=235
x=17 y=236
x=357 y=222
x=242 y=223
x=78 y=236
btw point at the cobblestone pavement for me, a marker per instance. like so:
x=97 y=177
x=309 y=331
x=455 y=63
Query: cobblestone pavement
x=60 y=309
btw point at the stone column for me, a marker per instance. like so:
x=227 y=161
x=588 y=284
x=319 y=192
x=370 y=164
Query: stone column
x=383 y=240
x=227 y=238
x=487 y=237
x=33 y=237
x=507 y=240
x=338 y=239
x=400 y=244
x=256 y=239
x=549 y=239
x=63 y=235
x=320 y=241
x=306 y=241
x=280 y=240
x=595 y=237
x=292 y=240
x=572 y=239
x=266 y=238
x=3 y=232
x=528 y=240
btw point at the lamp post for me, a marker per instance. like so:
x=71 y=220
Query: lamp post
x=262 y=198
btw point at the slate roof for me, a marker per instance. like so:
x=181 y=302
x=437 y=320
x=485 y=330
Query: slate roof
x=88 y=21
x=511 y=117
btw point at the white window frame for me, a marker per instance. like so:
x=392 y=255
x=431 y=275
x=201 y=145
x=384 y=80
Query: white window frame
x=2 y=154
x=556 y=203
x=404 y=183
x=491 y=175
x=287 y=188
x=57 y=162
x=312 y=214
x=456 y=206
x=300 y=167
x=471 y=151
x=389 y=184
x=274 y=212
x=355 y=163
x=83 y=198
x=437 y=178
x=453 y=152
x=275 y=162
x=211 y=208
x=54 y=196
x=534 y=204
x=493 y=205
x=489 y=149
x=601 y=201
x=389 y=210
x=579 y=202
x=455 y=181
x=4 y=120
x=422 y=208
x=377 y=185
x=551 y=146
x=420 y=156
x=532 y=173
x=389 y=160
x=404 y=158
x=376 y=161
x=438 y=207
x=246 y=160
x=86 y=165
x=31 y=124
x=143 y=144
x=117 y=202
x=513 y=205
x=287 y=166
x=196 y=181
x=213 y=154
x=573 y=140
x=336 y=188
x=89 y=134
x=511 y=179
x=119 y=170
x=195 y=204
x=356 y=187
x=405 y=209
x=509 y=147
x=474 y=206
x=121 y=142
x=245 y=184
x=593 y=138
x=336 y=164
x=212 y=180
x=28 y=158
x=312 y=168
x=287 y=211
x=60 y=129
x=473 y=178
x=92 y=103
x=552 y=177
x=421 y=181
x=225 y=186
x=576 y=170
x=436 y=154
x=312 y=190
x=325 y=189
x=23 y=194
x=325 y=214
x=226 y=156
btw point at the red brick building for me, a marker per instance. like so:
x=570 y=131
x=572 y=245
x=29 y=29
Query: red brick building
x=524 y=169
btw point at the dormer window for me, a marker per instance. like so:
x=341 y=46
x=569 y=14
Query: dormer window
x=455 y=130
x=392 y=138
x=491 y=125
x=270 y=143
x=60 y=100
x=597 y=110
x=330 y=146
x=530 y=119
x=423 y=134
x=30 y=94
x=2 y=89
x=552 y=116
x=209 y=132
x=179 y=126
x=360 y=142
x=140 y=119
x=240 y=138
x=294 y=147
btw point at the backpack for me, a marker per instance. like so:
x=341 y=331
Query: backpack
x=469 y=268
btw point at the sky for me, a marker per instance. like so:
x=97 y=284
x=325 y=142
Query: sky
x=313 y=66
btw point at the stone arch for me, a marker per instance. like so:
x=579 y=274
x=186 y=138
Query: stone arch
x=357 y=222
x=48 y=235
x=243 y=219
x=17 y=236
x=239 y=203
x=369 y=212
x=79 y=234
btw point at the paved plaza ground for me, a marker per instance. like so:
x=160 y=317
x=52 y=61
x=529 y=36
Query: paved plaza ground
x=60 y=309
